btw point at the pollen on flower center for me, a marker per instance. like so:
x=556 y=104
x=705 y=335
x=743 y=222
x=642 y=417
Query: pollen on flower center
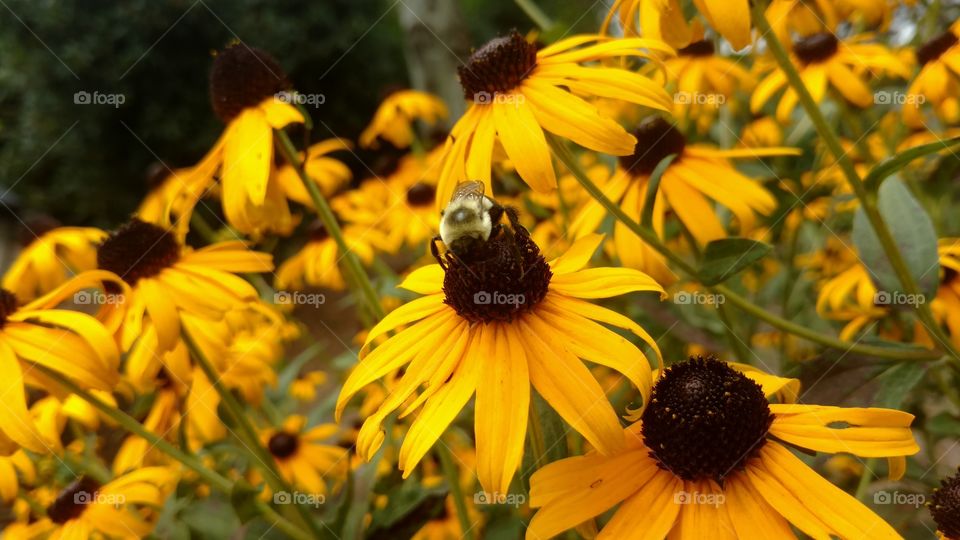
x=816 y=48
x=283 y=444
x=8 y=304
x=497 y=67
x=242 y=77
x=71 y=502
x=934 y=48
x=421 y=194
x=656 y=139
x=705 y=420
x=697 y=48
x=945 y=506
x=498 y=280
x=138 y=250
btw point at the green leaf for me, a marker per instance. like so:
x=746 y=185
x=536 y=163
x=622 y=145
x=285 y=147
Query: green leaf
x=915 y=238
x=897 y=382
x=894 y=163
x=943 y=425
x=726 y=257
x=243 y=498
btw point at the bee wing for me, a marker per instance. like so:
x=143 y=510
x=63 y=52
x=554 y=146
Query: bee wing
x=468 y=189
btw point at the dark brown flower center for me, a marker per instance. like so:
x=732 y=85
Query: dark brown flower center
x=934 y=48
x=317 y=232
x=817 y=47
x=283 y=444
x=71 y=502
x=656 y=139
x=8 y=305
x=242 y=77
x=697 y=48
x=138 y=250
x=945 y=506
x=497 y=280
x=421 y=194
x=949 y=274
x=705 y=420
x=497 y=67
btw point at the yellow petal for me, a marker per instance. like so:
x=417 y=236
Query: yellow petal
x=578 y=255
x=525 y=143
x=604 y=283
x=501 y=410
x=247 y=159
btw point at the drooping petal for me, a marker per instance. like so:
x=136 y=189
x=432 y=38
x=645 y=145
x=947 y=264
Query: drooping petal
x=502 y=408
x=867 y=432
x=525 y=144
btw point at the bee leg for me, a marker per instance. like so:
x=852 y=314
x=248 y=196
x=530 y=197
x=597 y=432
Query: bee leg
x=514 y=218
x=436 y=253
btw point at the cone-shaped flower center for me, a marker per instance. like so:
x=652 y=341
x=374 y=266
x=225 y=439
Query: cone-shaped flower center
x=242 y=77
x=421 y=194
x=816 y=47
x=656 y=139
x=8 y=305
x=71 y=502
x=705 y=420
x=934 y=48
x=138 y=250
x=697 y=48
x=497 y=280
x=945 y=506
x=497 y=67
x=283 y=444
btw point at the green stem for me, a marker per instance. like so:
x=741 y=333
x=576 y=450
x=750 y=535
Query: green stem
x=741 y=350
x=866 y=478
x=868 y=199
x=651 y=238
x=249 y=440
x=536 y=14
x=326 y=215
x=452 y=474
x=130 y=424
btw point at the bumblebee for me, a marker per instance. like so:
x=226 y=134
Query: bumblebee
x=470 y=220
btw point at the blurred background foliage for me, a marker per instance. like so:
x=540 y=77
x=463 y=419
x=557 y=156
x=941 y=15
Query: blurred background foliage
x=90 y=164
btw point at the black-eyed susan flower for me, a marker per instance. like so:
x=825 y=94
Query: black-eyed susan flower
x=496 y=322
x=696 y=176
x=249 y=93
x=329 y=173
x=302 y=456
x=702 y=80
x=126 y=507
x=164 y=280
x=824 y=61
x=51 y=259
x=709 y=458
x=939 y=61
x=317 y=263
x=944 y=506
x=664 y=19
x=73 y=344
x=395 y=117
x=517 y=92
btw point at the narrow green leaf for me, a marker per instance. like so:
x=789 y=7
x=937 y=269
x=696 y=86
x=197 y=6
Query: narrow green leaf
x=897 y=382
x=915 y=237
x=724 y=258
x=894 y=163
